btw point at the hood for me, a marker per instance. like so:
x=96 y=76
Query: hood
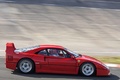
x=91 y=59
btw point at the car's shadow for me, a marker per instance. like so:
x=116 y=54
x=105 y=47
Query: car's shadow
x=46 y=75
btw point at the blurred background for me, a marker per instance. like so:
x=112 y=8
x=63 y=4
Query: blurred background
x=89 y=27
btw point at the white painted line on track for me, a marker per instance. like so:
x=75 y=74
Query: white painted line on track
x=113 y=65
x=2 y=50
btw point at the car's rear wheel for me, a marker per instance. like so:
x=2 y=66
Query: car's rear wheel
x=87 y=69
x=26 y=66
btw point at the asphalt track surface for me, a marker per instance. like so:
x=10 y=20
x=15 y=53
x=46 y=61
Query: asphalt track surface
x=6 y=74
x=89 y=27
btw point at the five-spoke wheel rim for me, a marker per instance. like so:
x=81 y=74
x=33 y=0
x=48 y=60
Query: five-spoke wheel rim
x=25 y=66
x=87 y=69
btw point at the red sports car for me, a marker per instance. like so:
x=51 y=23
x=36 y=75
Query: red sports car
x=52 y=59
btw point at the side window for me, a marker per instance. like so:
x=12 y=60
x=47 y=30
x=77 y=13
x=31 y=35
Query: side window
x=42 y=52
x=53 y=52
x=62 y=53
x=58 y=53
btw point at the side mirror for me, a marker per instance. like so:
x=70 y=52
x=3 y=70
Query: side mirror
x=72 y=56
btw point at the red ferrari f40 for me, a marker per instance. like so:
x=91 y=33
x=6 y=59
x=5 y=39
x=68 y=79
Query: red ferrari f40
x=53 y=59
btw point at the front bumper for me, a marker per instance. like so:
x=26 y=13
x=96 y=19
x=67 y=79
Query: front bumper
x=103 y=72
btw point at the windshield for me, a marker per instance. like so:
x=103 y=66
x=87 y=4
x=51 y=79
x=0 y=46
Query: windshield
x=73 y=53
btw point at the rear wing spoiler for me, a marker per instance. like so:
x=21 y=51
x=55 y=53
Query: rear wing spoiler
x=10 y=48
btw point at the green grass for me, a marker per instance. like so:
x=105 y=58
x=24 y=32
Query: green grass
x=109 y=59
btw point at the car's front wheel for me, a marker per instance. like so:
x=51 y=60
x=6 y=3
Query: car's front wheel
x=87 y=69
x=26 y=66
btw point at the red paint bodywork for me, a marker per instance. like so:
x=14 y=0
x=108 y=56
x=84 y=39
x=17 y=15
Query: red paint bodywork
x=50 y=64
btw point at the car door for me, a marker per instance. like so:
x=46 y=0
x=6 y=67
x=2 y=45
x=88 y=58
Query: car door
x=59 y=61
x=41 y=61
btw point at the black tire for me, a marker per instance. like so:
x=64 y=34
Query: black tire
x=26 y=66
x=87 y=69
